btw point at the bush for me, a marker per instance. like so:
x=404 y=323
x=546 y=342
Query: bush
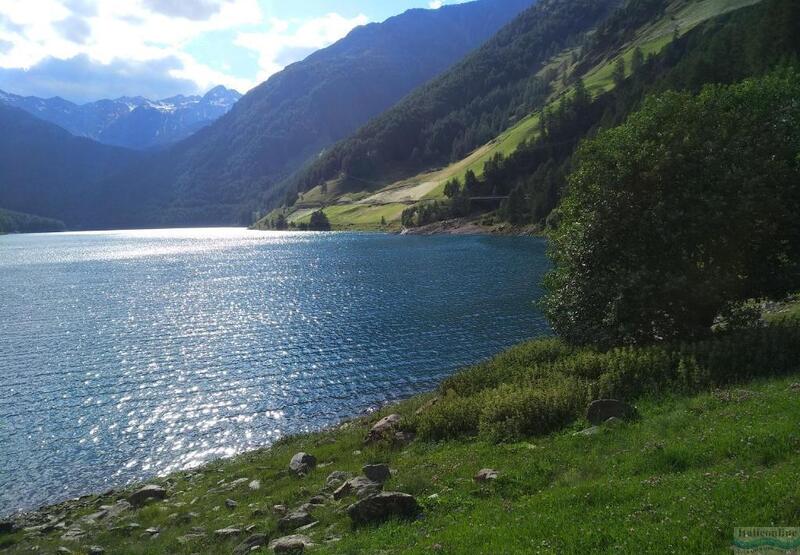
x=512 y=412
x=543 y=385
x=685 y=210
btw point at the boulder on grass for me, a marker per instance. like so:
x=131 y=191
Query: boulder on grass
x=360 y=486
x=383 y=428
x=256 y=540
x=147 y=493
x=295 y=520
x=377 y=472
x=383 y=506
x=601 y=410
x=302 y=463
x=290 y=544
x=486 y=475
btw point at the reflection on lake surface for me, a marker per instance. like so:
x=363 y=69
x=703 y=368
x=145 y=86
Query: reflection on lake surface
x=128 y=354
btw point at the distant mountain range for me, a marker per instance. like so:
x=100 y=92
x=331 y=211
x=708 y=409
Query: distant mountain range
x=132 y=122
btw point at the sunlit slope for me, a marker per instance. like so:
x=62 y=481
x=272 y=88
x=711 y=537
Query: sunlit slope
x=365 y=208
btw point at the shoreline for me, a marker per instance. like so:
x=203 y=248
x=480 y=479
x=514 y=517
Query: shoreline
x=472 y=226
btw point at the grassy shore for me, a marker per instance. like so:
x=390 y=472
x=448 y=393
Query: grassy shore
x=720 y=451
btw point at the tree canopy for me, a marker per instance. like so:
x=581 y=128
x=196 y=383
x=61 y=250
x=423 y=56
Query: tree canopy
x=688 y=207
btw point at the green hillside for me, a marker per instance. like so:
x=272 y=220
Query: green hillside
x=593 y=62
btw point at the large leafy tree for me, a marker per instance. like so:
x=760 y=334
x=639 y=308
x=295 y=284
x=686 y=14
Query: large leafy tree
x=690 y=206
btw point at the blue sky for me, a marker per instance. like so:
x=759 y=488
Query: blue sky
x=84 y=50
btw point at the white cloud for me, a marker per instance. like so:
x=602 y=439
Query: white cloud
x=112 y=35
x=285 y=42
x=435 y=5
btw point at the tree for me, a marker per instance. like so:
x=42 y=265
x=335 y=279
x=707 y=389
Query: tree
x=280 y=222
x=471 y=183
x=319 y=222
x=686 y=209
x=637 y=61
x=619 y=72
x=452 y=188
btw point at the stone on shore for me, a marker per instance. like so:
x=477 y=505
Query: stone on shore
x=377 y=472
x=383 y=428
x=254 y=541
x=302 y=463
x=601 y=410
x=290 y=544
x=227 y=532
x=336 y=479
x=145 y=494
x=486 y=475
x=295 y=520
x=360 y=486
x=383 y=506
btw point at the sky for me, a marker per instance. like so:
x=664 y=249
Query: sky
x=85 y=50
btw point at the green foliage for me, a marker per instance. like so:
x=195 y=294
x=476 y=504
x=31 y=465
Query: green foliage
x=687 y=207
x=319 y=222
x=543 y=385
x=17 y=222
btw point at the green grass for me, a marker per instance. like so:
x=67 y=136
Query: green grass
x=678 y=479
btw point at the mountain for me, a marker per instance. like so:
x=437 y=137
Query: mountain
x=428 y=159
x=469 y=104
x=45 y=170
x=229 y=169
x=132 y=122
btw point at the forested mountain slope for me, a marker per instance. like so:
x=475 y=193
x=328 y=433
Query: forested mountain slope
x=471 y=103
x=228 y=170
x=45 y=170
x=644 y=47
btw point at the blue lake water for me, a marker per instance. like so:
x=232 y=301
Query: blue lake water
x=129 y=354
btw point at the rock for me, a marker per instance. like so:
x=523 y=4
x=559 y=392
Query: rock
x=360 y=486
x=404 y=438
x=486 y=475
x=227 y=532
x=73 y=534
x=382 y=506
x=302 y=463
x=290 y=544
x=795 y=386
x=96 y=550
x=601 y=410
x=295 y=520
x=279 y=509
x=7 y=526
x=377 y=472
x=147 y=493
x=231 y=504
x=191 y=537
x=613 y=422
x=117 y=509
x=318 y=500
x=588 y=431
x=307 y=527
x=152 y=531
x=254 y=485
x=428 y=405
x=336 y=479
x=383 y=428
x=256 y=540
x=63 y=550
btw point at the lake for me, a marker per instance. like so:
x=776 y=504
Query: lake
x=129 y=354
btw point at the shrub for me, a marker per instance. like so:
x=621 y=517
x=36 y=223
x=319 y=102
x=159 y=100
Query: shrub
x=512 y=412
x=539 y=387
